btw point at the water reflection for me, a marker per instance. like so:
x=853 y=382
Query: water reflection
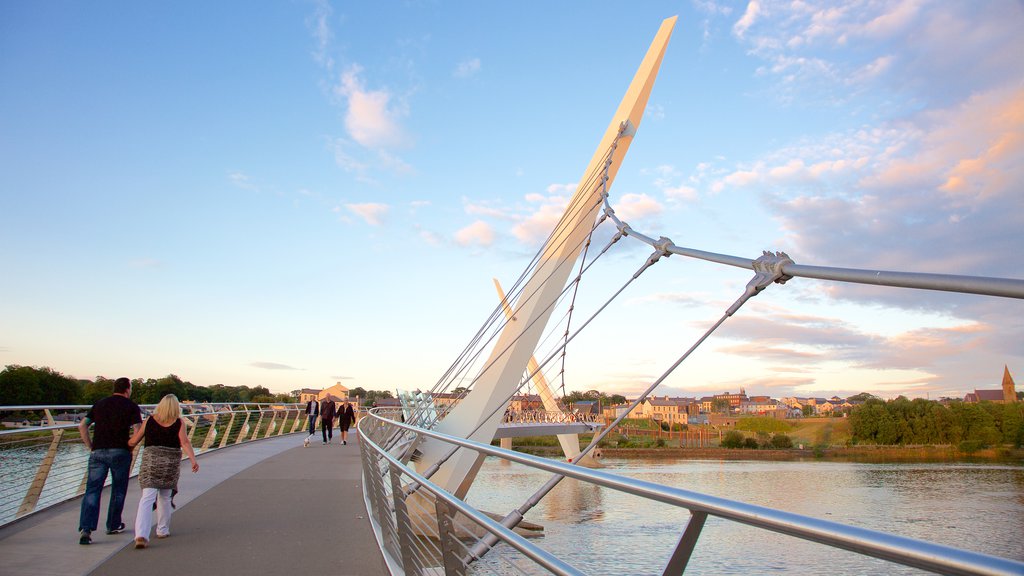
x=974 y=506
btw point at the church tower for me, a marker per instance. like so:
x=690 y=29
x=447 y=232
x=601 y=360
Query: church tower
x=1009 y=390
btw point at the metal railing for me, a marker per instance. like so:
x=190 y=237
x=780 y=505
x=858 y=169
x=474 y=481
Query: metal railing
x=422 y=529
x=548 y=417
x=43 y=461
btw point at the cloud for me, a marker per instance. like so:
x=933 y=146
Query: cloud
x=478 y=233
x=272 y=366
x=634 y=207
x=372 y=213
x=748 y=19
x=372 y=117
x=467 y=68
x=319 y=26
x=241 y=180
x=537 y=226
x=829 y=52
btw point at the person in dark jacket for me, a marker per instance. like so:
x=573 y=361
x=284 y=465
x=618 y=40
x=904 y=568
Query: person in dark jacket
x=312 y=411
x=327 y=411
x=116 y=418
x=346 y=417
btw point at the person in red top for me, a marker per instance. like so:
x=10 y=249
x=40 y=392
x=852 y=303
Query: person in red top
x=116 y=417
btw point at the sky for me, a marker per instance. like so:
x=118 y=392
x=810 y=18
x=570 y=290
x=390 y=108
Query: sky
x=293 y=194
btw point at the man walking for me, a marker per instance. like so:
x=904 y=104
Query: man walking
x=117 y=418
x=327 y=410
x=312 y=411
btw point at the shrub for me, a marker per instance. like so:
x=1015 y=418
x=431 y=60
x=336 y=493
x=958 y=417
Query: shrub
x=781 y=441
x=732 y=439
x=750 y=443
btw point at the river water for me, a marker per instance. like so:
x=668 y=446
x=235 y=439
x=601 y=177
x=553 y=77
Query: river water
x=977 y=507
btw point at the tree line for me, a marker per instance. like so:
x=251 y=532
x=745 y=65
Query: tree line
x=29 y=386
x=970 y=426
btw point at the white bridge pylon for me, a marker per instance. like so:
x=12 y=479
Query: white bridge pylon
x=479 y=414
x=570 y=443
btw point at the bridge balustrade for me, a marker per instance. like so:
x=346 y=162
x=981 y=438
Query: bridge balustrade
x=547 y=417
x=43 y=461
x=423 y=529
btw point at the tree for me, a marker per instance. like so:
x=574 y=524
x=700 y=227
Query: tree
x=24 y=385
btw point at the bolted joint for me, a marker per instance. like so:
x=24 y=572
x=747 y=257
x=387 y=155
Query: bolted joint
x=651 y=261
x=662 y=245
x=769 y=267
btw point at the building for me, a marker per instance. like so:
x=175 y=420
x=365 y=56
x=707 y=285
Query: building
x=338 y=392
x=525 y=403
x=1007 y=395
x=307 y=394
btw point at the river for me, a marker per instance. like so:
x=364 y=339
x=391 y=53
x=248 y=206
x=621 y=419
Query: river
x=977 y=507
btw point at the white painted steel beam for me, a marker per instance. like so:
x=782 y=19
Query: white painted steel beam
x=477 y=416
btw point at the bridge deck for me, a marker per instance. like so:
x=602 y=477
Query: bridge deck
x=269 y=507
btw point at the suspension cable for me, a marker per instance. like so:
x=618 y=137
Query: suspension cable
x=768 y=270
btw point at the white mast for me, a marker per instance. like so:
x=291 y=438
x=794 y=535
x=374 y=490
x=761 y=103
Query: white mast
x=478 y=415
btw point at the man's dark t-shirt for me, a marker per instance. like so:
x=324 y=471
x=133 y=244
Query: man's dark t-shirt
x=114 y=417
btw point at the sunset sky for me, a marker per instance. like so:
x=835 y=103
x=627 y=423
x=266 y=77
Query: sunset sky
x=293 y=194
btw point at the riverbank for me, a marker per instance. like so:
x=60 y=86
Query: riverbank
x=867 y=454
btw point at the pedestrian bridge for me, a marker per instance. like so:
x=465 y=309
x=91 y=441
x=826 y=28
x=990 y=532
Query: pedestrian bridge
x=264 y=503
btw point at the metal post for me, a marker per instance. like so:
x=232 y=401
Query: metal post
x=227 y=431
x=677 y=563
x=36 y=488
x=402 y=523
x=256 y=429
x=244 y=429
x=272 y=425
x=453 y=565
x=211 y=435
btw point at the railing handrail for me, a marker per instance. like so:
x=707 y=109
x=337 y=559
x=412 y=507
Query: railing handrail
x=260 y=406
x=537 y=554
x=894 y=548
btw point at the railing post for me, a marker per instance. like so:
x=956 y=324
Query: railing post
x=211 y=435
x=298 y=419
x=192 y=432
x=384 y=516
x=256 y=429
x=402 y=523
x=227 y=430
x=677 y=563
x=453 y=565
x=36 y=488
x=244 y=430
x=272 y=425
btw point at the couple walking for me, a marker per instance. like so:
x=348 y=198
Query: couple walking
x=327 y=410
x=118 y=429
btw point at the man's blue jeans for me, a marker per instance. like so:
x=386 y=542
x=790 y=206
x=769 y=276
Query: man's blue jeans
x=312 y=424
x=117 y=461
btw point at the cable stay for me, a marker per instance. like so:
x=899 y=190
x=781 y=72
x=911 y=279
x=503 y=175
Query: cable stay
x=768 y=270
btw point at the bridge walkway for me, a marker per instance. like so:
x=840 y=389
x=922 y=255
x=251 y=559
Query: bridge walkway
x=269 y=507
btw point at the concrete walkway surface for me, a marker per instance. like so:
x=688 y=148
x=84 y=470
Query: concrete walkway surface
x=269 y=507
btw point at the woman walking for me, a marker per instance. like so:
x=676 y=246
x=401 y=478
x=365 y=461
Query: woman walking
x=164 y=433
x=346 y=417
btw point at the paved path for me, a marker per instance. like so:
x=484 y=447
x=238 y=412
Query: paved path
x=271 y=507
